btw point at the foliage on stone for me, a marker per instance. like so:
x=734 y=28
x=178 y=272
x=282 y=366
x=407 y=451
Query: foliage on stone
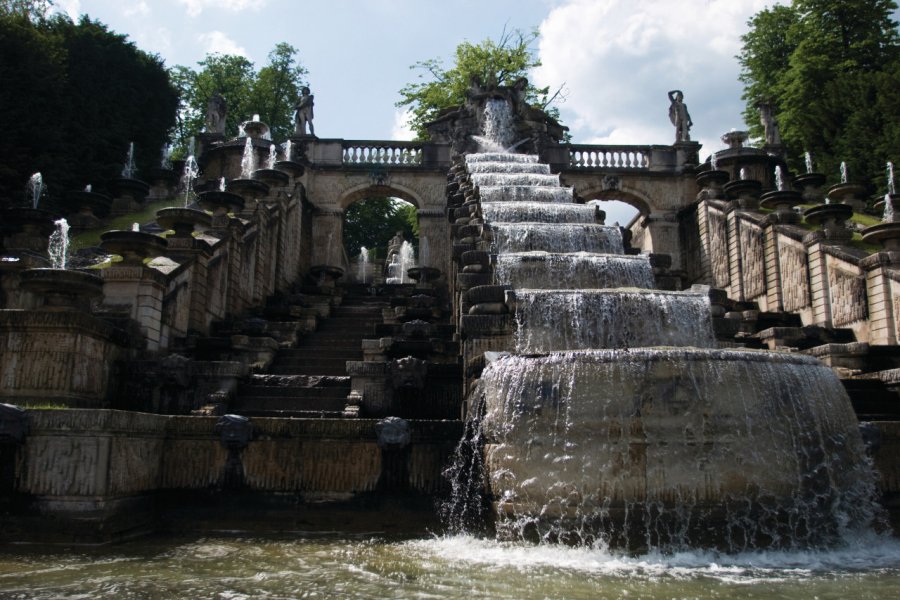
x=75 y=96
x=490 y=62
x=269 y=92
x=831 y=70
x=374 y=221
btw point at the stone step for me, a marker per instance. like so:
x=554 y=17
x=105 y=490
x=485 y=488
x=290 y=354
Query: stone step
x=310 y=362
x=293 y=414
x=258 y=391
x=325 y=351
x=338 y=368
x=270 y=403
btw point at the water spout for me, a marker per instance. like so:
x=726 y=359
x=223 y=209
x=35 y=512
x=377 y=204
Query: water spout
x=221 y=184
x=363 y=265
x=273 y=156
x=807 y=158
x=843 y=172
x=135 y=226
x=714 y=161
x=129 y=170
x=407 y=260
x=88 y=188
x=890 y=178
x=779 y=179
x=288 y=149
x=165 y=157
x=742 y=174
x=35 y=189
x=58 y=248
x=888 y=216
x=191 y=170
x=248 y=160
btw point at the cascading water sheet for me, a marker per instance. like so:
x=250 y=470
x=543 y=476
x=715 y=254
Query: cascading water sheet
x=544 y=270
x=554 y=237
x=668 y=448
x=553 y=320
x=537 y=212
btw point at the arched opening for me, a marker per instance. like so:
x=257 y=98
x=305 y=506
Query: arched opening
x=374 y=229
x=617 y=211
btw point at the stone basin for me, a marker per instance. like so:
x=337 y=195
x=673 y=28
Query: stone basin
x=183 y=220
x=134 y=188
x=886 y=234
x=271 y=177
x=132 y=246
x=826 y=214
x=249 y=189
x=62 y=289
x=89 y=202
x=744 y=191
x=292 y=168
x=852 y=194
x=255 y=129
x=712 y=178
x=423 y=275
x=782 y=202
x=219 y=202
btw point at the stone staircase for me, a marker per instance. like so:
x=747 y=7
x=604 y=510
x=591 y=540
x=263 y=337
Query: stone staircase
x=311 y=379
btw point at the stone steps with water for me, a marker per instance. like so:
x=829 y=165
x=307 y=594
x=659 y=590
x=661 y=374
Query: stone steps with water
x=538 y=212
x=555 y=237
x=311 y=379
x=643 y=445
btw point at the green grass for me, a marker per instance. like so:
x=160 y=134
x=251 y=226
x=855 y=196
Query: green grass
x=86 y=239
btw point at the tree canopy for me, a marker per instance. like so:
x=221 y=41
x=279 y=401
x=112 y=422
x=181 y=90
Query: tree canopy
x=372 y=223
x=77 y=95
x=269 y=92
x=499 y=62
x=830 y=70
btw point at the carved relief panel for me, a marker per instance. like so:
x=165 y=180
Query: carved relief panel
x=848 y=296
x=753 y=264
x=794 y=277
x=718 y=249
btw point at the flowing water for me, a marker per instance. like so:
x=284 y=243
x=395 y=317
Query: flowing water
x=58 y=246
x=442 y=567
x=616 y=422
x=248 y=160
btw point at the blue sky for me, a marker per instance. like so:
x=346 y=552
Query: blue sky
x=616 y=58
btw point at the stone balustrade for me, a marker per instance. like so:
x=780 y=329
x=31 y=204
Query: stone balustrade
x=609 y=157
x=368 y=152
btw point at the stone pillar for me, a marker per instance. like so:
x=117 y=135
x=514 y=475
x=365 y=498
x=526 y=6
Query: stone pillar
x=137 y=290
x=434 y=240
x=882 y=271
x=818 y=280
x=661 y=237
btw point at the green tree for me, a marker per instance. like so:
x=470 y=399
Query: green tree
x=82 y=93
x=270 y=92
x=824 y=64
x=372 y=223
x=501 y=63
x=31 y=9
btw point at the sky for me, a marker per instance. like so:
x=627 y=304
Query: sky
x=615 y=59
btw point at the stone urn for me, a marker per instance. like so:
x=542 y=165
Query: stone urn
x=62 y=289
x=220 y=203
x=133 y=190
x=255 y=129
x=132 y=246
x=423 y=276
x=87 y=208
x=711 y=182
x=886 y=233
x=810 y=187
x=248 y=189
x=25 y=230
x=744 y=192
x=271 y=177
x=735 y=139
x=832 y=218
x=292 y=168
x=783 y=203
x=851 y=194
x=183 y=221
x=326 y=275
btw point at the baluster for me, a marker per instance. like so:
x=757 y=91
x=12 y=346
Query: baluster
x=591 y=158
x=346 y=155
x=354 y=156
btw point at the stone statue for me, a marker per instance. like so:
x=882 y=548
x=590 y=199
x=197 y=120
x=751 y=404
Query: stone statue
x=216 y=111
x=303 y=112
x=678 y=114
x=770 y=125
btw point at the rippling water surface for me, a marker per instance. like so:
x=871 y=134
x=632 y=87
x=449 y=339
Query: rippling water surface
x=451 y=567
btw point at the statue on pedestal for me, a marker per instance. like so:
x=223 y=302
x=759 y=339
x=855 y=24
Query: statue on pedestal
x=303 y=113
x=678 y=114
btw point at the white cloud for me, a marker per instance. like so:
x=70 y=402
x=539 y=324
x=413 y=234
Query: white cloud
x=196 y=7
x=136 y=9
x=216 y=42
x=70 y=7
x=158 y=40
x=401 y=130
x=619 y=58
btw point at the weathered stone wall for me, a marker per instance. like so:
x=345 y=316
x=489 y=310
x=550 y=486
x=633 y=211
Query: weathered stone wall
x=785 y=267
x=85 y=457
